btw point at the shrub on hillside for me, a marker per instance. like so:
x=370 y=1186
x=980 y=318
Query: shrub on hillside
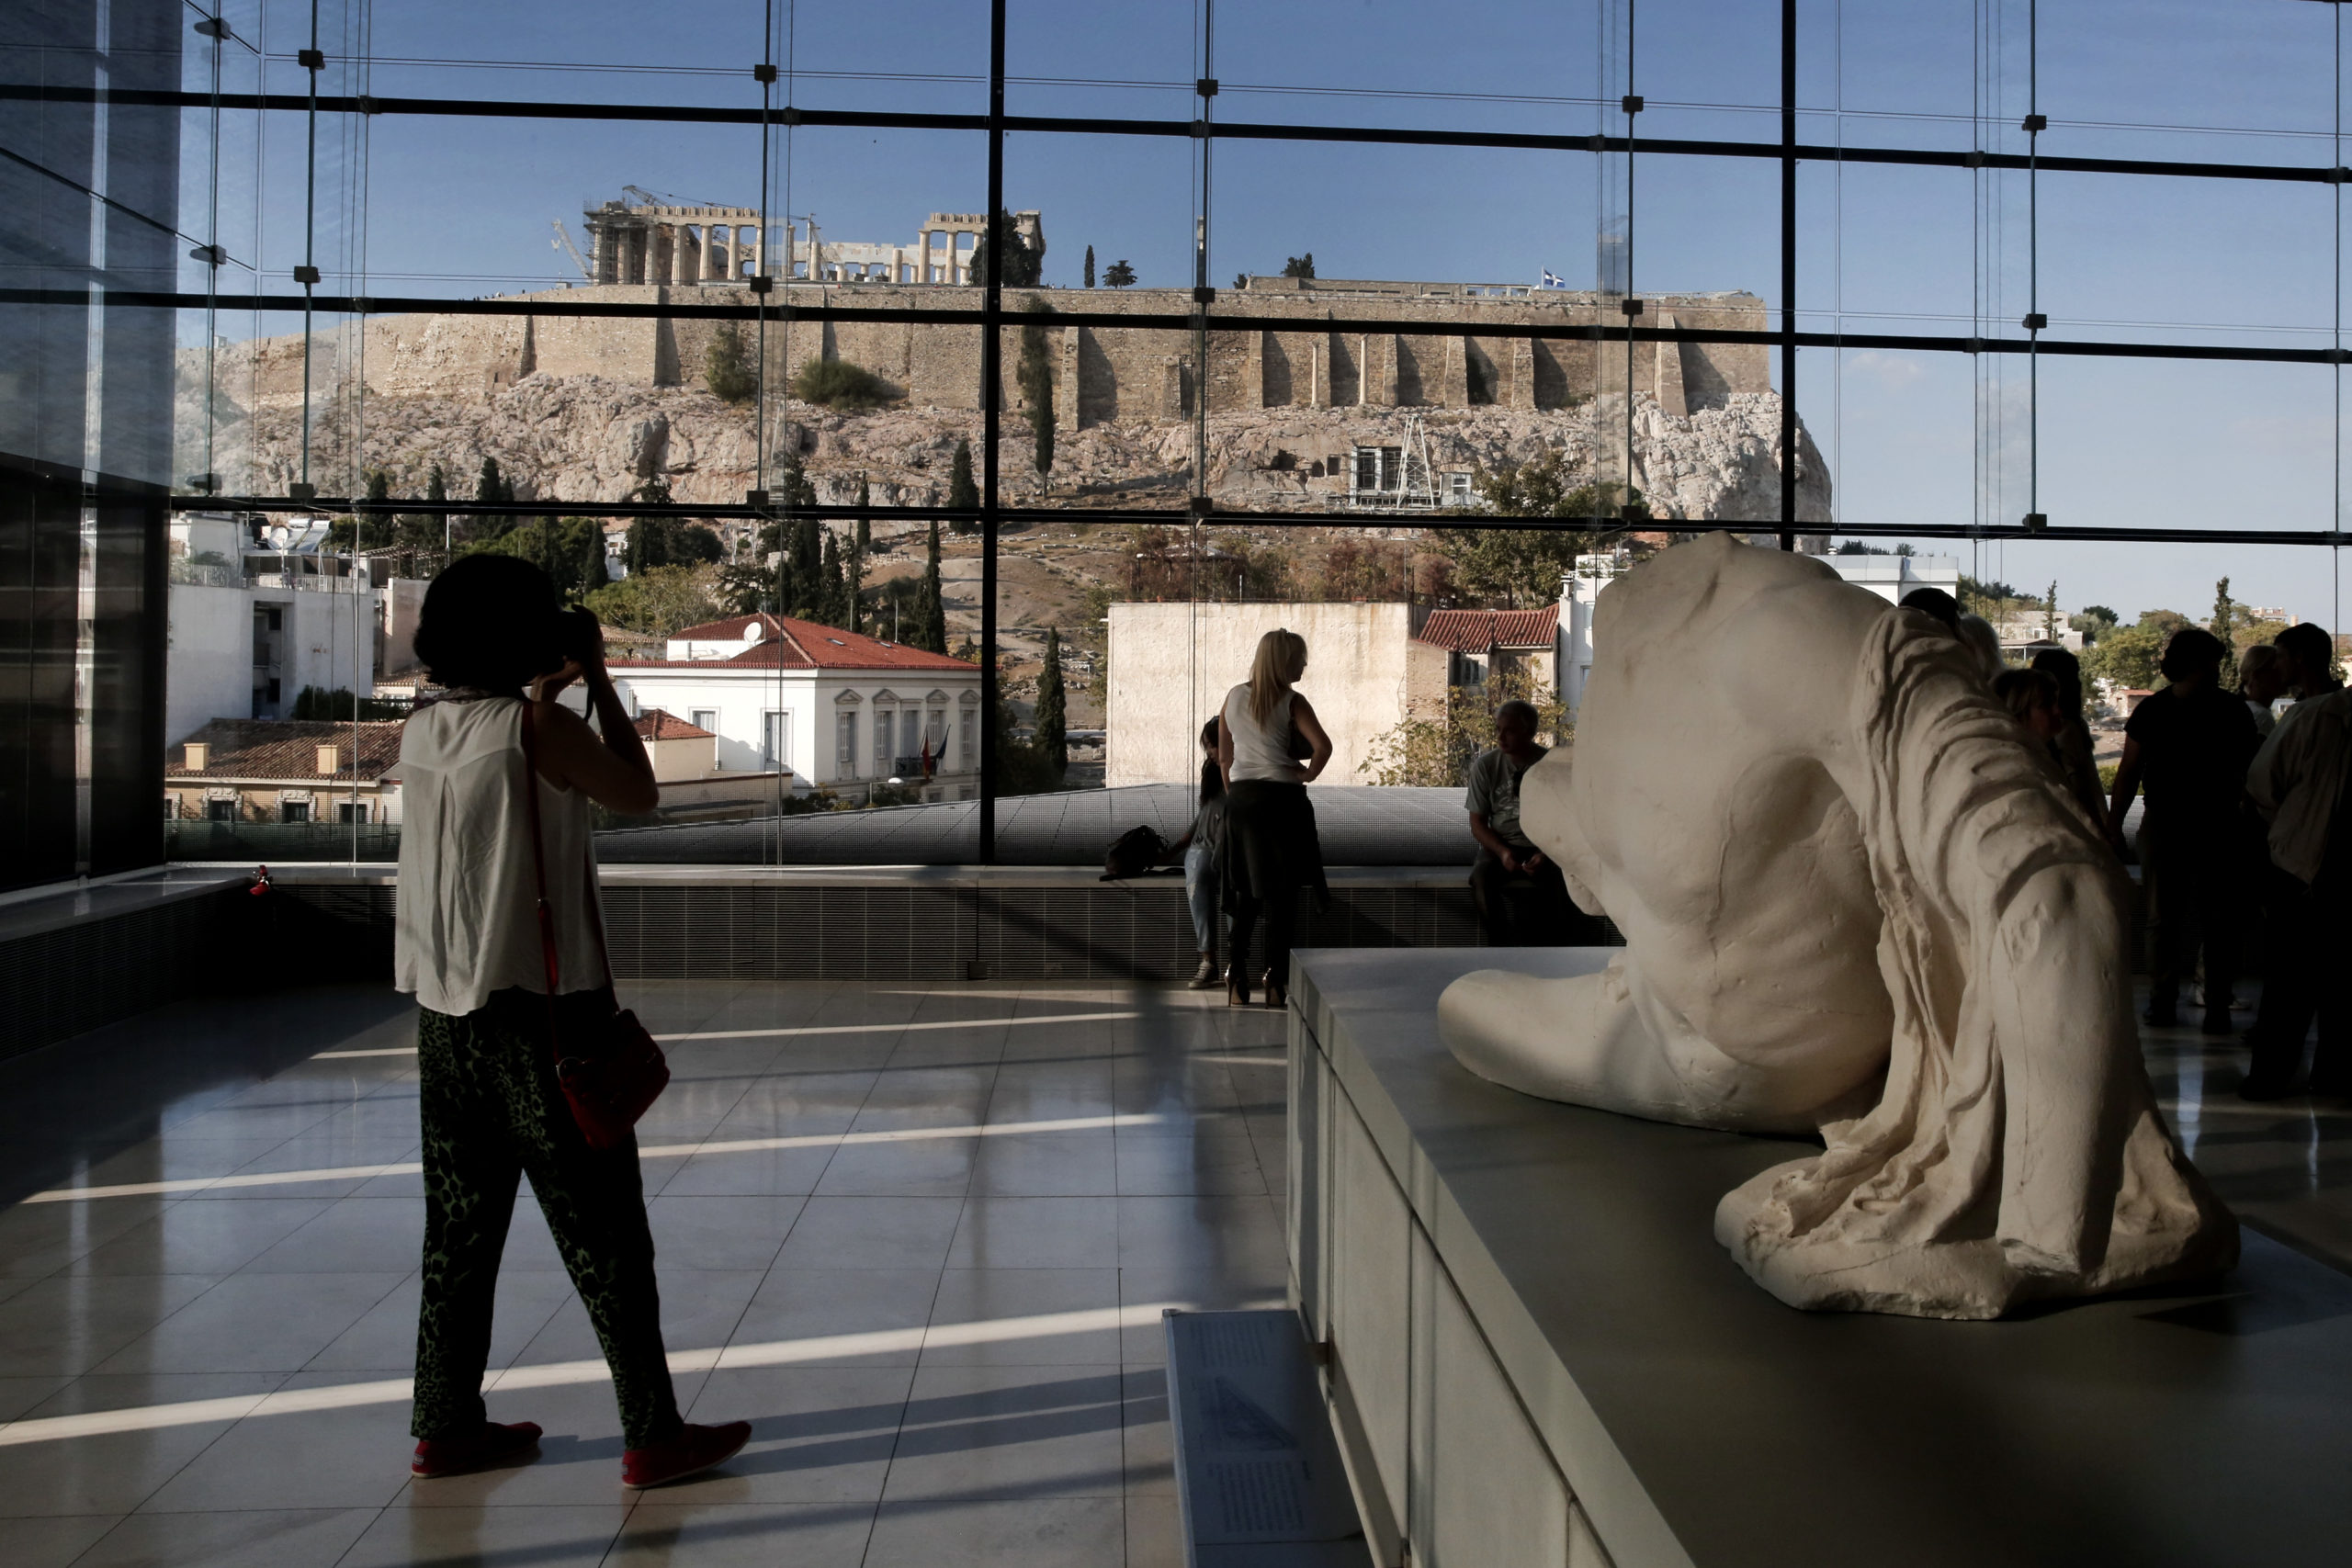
x=838 y=384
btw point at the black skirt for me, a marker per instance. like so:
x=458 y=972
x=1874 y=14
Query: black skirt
x=1271 y=848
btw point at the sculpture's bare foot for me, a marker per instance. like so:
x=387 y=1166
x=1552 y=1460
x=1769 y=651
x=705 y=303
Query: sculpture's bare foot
x=1584 y=1039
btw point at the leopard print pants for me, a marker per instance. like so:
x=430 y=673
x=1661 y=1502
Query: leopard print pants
x=493 y=1112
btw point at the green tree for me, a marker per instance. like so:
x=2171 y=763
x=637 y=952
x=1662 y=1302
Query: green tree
x=2127 y=656
x=2049 y=612
x=1119 y=276
x=657 y=600
x=727 y=367
x=1053 y=707
x=855 y=572
x=962 y=492
x=1520 y=567
x=491 y=486
x=694 y=543
x=2225 y=626
x=1435 y=750
x=1035 y=379
x=1090 y=267
x=1021 y=768
x=1300 y=266
x=1022 y=266
x=648 y=544
x=590 y=573
x=833 y=607
x=930 y=631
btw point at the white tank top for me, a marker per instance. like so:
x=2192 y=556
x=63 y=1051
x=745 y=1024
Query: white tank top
x=1262 y=750
x=468 y=920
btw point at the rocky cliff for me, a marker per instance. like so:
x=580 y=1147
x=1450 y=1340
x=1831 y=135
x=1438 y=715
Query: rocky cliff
x=584 y=439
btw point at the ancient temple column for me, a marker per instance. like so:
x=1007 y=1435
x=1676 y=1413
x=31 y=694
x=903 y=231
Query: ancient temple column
x=722 y=250
x=760 y=251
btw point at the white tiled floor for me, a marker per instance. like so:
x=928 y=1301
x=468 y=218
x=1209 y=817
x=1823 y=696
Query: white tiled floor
x=918 y=1235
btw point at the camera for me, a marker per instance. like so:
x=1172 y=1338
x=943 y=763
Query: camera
x=576 y=634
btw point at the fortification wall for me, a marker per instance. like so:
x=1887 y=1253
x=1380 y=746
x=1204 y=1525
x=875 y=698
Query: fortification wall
x=1102 y=374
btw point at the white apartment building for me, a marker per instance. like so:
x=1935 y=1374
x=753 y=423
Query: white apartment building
x=258 y=612
x=834 y=708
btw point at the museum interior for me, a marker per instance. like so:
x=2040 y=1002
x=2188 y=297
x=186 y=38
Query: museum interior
x=1015 y=782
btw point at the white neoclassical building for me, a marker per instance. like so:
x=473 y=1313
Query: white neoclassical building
x=833 y=708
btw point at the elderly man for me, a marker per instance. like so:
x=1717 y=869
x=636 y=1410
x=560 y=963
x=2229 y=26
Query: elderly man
x=1507 y=861
x=2296 y=782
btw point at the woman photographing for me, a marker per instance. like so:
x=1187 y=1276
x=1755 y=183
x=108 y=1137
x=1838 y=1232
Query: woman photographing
x=1270 y=746
x=497 y=782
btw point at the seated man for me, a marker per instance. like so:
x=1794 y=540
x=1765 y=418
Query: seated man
x=1507 y=861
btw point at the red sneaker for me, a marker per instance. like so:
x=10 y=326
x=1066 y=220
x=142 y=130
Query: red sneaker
x=457 y=1456
x=692 y=1452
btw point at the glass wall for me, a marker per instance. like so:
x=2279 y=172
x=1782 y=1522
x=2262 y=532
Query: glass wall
x=937 y=403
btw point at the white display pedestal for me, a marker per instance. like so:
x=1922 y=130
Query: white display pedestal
x=1536 y=1354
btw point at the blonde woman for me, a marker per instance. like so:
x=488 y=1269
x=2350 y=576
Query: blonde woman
x=1269 y=747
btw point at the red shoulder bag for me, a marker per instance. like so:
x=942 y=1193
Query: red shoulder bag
x=612 y=1077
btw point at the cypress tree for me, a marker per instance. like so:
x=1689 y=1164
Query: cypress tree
x=1090 y=267
x=855 y=579
x=930 y=610
x=593 y=574
x=1035 y=379
x=1053 y=724
x=961 y=491
x=436 y=488
x=491 y=486
x=833 y=611
x=374 y=525
x=808 y=570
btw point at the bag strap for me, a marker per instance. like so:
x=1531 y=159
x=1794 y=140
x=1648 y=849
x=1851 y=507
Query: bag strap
x=540 y=868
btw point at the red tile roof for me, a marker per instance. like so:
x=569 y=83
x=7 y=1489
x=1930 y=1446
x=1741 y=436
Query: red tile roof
x=1479 y=631
x=287 y=749
x=658 y=724
x=728 y=630
x=790 y=644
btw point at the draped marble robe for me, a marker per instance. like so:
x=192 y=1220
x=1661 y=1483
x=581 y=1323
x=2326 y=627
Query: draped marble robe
x=1857 y=901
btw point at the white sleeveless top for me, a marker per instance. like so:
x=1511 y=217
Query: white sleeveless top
x=468 y=920
x=1261 y=751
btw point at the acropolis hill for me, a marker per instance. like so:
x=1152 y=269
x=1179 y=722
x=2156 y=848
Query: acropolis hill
x=580 y=408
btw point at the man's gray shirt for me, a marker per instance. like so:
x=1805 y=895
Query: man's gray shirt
x=1494 y=792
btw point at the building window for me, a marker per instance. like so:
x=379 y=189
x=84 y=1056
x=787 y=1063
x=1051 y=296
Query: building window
x=1379 y=468
x=911 y=733
x=349 y=811
x=704 y=718
x=776 y=740
x=171 y=807
x=845 y=745
x=882 y=735
x=967 y=744
x=220 y=811
x=293 y=811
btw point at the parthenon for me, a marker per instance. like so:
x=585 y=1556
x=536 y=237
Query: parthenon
x=650 y=243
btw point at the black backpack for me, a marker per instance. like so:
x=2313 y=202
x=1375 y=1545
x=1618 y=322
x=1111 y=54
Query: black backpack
x=1133 y=853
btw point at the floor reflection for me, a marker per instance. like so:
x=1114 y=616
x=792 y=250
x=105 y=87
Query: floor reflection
x=922 y=1236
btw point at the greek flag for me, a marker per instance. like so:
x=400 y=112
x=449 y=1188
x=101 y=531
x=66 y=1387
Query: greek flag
x=1552 y=279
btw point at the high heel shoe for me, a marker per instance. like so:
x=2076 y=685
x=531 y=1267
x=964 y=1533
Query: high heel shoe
x=1277 y=992
x=1237 y=986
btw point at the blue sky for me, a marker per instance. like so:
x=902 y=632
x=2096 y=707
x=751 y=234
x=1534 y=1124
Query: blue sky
x=462 y=207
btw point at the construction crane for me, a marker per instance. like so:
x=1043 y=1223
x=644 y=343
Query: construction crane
x=563 y=241
x=653 y=198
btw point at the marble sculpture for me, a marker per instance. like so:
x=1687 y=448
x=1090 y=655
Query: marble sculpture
x=1854 y=904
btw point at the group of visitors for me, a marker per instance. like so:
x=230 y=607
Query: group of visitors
x=2236 y=834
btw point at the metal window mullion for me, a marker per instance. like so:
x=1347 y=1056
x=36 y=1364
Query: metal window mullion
x=991 y=410
x=1788 y=273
